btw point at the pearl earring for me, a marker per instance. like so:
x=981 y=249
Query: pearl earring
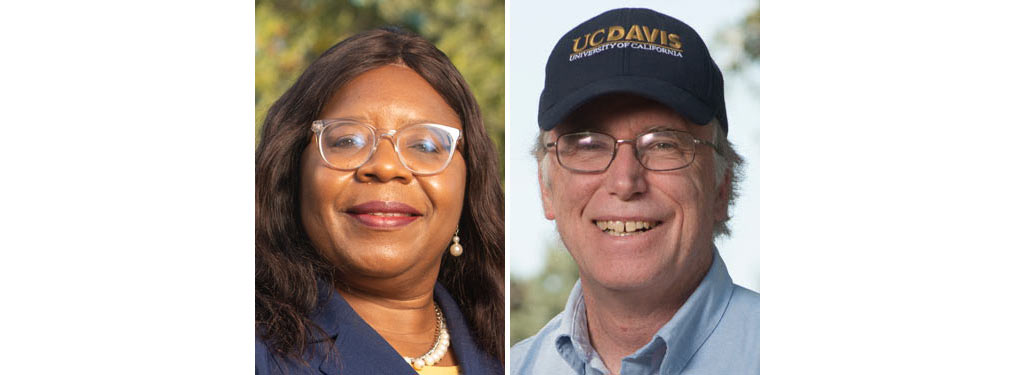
x=456 y=248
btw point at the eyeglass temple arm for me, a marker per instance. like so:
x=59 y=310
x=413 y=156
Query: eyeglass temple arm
x=710 y=144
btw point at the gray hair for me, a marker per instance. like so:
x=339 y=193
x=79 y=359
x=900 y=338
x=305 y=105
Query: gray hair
x=727 y=162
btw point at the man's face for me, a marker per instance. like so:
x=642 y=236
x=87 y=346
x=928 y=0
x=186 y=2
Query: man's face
x=680 y=206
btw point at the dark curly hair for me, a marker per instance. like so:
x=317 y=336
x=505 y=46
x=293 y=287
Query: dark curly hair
x=287 y=265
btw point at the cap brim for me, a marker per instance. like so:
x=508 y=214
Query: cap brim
x=672 y=96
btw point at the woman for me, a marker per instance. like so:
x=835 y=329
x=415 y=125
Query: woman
x=379 y=223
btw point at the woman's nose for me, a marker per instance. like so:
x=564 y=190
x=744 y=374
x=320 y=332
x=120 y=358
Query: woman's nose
x=384 y=165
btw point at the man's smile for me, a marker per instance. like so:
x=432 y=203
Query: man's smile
x=625 y=227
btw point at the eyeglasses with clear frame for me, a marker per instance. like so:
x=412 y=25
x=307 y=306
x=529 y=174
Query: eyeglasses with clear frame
x=423 y=149
x=592 y=152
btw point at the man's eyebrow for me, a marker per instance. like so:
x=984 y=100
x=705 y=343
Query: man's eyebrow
x=661 y=128
x=574 y=127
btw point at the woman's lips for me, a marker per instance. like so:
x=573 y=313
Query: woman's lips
x=379 y=214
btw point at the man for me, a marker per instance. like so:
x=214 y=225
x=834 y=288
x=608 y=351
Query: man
x=635 y=169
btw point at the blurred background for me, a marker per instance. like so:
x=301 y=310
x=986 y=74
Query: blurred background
x=542 y=272
x=290 y=34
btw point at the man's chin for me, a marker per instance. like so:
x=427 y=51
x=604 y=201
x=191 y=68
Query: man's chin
x=616 y=281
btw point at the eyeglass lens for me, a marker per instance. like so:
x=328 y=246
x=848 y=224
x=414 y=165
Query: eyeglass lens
x=591 y=152
x=421 y=148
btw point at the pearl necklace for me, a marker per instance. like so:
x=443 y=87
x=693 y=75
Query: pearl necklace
x=440 y=345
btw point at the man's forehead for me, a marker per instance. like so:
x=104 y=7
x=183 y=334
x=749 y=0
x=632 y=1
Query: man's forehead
x=619 y=112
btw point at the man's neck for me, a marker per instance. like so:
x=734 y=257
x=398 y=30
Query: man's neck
x=621 y=322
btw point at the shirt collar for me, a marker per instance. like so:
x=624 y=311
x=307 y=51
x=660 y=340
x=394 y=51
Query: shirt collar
x=672 y=346
x=571 y=336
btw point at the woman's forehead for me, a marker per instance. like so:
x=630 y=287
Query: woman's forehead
x=390 y=96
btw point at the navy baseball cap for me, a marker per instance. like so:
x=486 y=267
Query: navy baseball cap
x=637 y=51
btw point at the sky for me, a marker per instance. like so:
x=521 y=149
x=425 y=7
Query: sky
x=534 y=27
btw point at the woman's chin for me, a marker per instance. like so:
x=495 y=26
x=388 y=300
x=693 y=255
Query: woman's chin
x=379 y=263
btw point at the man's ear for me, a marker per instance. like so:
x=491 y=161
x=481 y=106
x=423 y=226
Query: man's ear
x=722 y=199
x=544 y=192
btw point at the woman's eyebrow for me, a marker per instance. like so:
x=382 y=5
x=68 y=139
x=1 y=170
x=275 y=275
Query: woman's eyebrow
x=350 y=118
x=414 y=121
x=402 y=122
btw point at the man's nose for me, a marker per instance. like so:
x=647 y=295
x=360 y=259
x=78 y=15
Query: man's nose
x=625 y=178
x=384 y=165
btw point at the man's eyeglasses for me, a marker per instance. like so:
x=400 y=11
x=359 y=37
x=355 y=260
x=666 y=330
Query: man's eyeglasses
x=422 y=148
x=592 y=152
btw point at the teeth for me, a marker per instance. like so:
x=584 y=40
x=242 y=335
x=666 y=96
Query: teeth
x=623 y=228
x=617 y=226
x=387 y=214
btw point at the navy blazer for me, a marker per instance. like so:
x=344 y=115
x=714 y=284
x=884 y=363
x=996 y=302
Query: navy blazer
x=360 y=350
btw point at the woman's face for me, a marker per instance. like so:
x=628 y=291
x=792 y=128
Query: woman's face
x=381 y=221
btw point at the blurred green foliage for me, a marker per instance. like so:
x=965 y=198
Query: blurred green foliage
x=534 y=301
x=290 y=34
x=745 y=38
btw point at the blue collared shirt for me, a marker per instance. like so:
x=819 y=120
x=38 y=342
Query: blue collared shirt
x=716 y=331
